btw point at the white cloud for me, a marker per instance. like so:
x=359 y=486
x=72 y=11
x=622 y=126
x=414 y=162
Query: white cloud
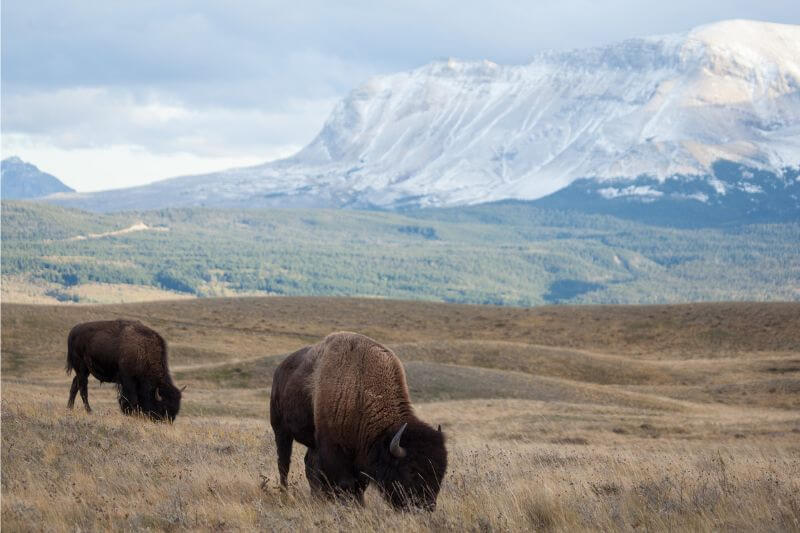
x=96 y=116
x=115 y=166
x=81 y=134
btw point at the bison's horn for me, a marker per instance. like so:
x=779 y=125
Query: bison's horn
x=439 y=429
x=397 y=450
x=184 y=388
x=158 y=396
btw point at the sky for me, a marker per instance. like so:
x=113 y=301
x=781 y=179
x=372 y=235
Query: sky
x=115 y=94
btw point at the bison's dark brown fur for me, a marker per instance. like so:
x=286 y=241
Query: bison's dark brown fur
x=346 y=399
x=129 y=354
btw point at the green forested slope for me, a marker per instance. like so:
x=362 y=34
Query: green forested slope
x=503 y=253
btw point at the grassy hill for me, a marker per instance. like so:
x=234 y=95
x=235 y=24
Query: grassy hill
x=513 y=254
x=563 y=418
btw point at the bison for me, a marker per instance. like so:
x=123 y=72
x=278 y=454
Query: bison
x=347 y=400
x=129 y=354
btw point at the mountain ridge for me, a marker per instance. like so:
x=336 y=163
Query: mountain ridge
x=461 y=133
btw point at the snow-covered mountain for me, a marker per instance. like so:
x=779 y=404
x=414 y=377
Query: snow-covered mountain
x=454 y=132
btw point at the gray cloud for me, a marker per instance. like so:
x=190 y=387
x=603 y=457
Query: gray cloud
x=91 y=43
x=233 y=78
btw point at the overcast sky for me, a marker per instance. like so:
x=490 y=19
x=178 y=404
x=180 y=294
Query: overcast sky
x=111 y=94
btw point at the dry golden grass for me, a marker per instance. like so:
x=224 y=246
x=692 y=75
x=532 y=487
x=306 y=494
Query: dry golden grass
x=569 y=418
x=20 y=289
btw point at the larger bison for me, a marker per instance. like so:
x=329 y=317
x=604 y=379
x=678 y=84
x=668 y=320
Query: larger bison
x=346 y=399
x=129 y=354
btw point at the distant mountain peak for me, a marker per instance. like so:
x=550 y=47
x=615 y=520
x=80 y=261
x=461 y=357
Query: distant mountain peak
x=23 y=180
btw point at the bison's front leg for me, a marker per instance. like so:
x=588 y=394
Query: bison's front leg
x=337 y=473
x=319 y=488
x=146 y=394
x=362 y=482
x=313 y=474
x=128 y=397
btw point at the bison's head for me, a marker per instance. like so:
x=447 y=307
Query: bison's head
x=410 y=461
x=167 y=402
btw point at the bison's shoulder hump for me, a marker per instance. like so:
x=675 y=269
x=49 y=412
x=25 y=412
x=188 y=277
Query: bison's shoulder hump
x=353 y=342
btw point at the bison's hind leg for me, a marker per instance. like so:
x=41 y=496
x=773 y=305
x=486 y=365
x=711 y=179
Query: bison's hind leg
x=283 y=442
x=73 y=391
x=83 y=384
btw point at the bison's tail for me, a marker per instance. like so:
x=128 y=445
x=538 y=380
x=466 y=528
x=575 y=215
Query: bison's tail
x=70 y=366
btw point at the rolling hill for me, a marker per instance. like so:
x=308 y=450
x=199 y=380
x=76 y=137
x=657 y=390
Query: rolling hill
x=566 y=417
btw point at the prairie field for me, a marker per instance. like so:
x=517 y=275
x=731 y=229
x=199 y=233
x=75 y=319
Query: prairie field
x=564 y=418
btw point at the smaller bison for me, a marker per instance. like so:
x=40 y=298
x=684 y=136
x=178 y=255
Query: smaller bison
x=127 y=353
x=346 y=399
